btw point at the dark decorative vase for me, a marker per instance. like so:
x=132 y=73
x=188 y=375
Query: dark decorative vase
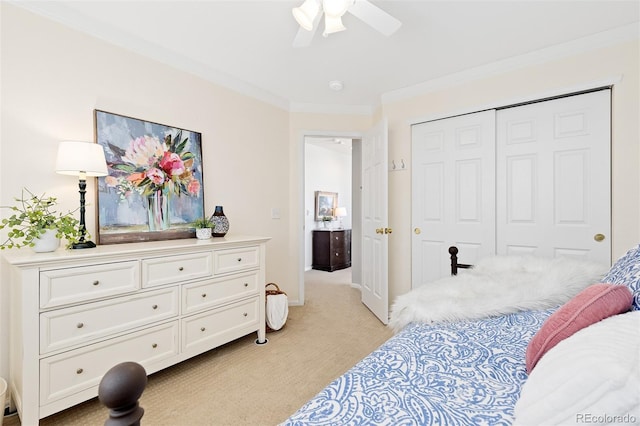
x=221 y=223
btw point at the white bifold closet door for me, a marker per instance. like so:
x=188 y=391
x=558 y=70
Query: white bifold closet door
x=453 y=192
x=553 y=178
x=529 y=179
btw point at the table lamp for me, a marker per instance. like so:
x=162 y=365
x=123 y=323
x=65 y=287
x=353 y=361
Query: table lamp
x=81 y=159
x=340 y=212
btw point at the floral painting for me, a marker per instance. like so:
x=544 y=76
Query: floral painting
x=154 y=187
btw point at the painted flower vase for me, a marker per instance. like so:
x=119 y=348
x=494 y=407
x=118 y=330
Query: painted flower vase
x=220 y=221
x=158 y=204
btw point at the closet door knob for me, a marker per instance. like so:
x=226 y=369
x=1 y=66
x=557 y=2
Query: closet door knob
x=598 y=237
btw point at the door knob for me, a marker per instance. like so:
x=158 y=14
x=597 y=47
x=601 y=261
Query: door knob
x=417 y=231
x=598 y=237
x=379 y=231
x=388 y=230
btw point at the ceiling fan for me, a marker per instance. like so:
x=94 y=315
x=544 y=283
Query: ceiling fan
x=308 y=15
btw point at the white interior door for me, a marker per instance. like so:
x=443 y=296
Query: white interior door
x=453 y=192
x=375 y=231
x=553 y=178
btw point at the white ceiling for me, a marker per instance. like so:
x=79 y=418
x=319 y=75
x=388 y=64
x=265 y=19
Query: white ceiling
x=247 y=45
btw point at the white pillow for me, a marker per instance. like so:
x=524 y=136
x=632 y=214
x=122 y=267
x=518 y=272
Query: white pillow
x=592 y=377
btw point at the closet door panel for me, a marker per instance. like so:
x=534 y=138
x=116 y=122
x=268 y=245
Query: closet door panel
x=453 y=187
x=553 y=178
x=521 y=192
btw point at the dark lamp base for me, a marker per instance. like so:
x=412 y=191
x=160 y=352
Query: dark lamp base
x=83 y=245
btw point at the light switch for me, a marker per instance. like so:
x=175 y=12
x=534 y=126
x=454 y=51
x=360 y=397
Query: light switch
x=275 y=213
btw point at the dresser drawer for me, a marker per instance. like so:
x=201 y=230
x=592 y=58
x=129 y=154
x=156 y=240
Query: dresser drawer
x=60 y=287
x=173 y=269
x=209 y=329
x=204 y=295
x=234 y=260
x=70 y=326
x=72 y=372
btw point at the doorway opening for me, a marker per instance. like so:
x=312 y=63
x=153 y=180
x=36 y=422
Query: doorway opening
x=331 y=166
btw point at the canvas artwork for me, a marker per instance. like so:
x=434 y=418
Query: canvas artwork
x=154 y=190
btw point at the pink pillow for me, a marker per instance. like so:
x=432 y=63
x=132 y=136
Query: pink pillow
x=593 y=304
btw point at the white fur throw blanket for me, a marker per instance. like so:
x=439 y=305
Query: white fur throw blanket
x=496 y=286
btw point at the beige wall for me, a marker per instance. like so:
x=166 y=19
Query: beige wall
x=542 y=79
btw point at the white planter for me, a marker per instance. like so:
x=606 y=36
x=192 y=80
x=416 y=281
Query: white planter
x=46 y=242
x=203 y=233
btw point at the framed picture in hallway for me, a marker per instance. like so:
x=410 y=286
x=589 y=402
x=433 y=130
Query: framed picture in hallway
x=326 y=203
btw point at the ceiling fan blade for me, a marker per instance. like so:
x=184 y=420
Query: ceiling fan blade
x=303 y=37
x=375 y=17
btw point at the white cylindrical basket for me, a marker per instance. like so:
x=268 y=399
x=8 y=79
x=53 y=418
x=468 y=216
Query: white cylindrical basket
x=3 y=397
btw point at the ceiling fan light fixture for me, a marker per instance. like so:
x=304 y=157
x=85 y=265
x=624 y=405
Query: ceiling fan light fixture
x=335 y=8
x=332 y=25
x=306 y=14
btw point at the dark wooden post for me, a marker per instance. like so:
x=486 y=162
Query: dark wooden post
x=453 y=251
x=119 y=390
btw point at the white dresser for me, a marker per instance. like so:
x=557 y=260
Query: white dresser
x=77 y=313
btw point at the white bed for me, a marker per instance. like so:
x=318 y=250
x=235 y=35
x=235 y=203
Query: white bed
x=461 y=353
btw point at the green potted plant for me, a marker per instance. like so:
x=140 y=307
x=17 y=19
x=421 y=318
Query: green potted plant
x=35 y=223
x=203 y=226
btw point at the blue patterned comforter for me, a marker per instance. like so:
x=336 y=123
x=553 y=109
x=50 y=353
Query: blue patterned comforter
x=463 y=373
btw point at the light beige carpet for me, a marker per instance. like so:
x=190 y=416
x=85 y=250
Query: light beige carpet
x=242 y=383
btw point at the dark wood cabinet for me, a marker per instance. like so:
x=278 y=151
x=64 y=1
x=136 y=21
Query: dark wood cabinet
x=331 y=249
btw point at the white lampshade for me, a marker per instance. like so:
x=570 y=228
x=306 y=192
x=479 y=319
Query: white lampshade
x=335 y=8
x=306 y=14
x=77 y=158
x=332 y=24
x=340 y=211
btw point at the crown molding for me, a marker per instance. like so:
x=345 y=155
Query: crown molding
x=295 y=107
x=571 y=48
x=58 y=12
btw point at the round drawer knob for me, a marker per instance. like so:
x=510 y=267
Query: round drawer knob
x=202 y=329
x=245 y=314
x=79 y=371
x=246 y=284
x=154 y=306
x=80 y=325
x=337 y=254
x=96 y=282
x=155 y=345
x=204 y=295
x=239 y=259
x=181 y=268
